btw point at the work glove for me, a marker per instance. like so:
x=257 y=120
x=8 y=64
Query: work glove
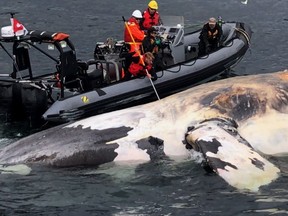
x=158 y=41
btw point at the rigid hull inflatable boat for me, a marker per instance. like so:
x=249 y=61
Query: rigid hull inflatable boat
x=83 y=88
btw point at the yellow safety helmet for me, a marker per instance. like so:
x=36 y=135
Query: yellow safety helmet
x=153 y=4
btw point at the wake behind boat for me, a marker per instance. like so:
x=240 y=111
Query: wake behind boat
x=83 y=88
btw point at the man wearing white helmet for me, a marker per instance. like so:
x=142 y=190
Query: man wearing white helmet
x=151 y=16
x=133 y=37
x=133 y=33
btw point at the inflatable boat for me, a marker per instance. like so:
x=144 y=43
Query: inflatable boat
x=78 y=89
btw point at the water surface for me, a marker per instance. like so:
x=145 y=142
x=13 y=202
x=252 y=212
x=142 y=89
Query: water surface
x=179 y=187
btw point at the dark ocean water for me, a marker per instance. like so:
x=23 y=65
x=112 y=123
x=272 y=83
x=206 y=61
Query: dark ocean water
x=156 y=188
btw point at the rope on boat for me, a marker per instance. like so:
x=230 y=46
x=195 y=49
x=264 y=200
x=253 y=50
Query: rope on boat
x=245 y=34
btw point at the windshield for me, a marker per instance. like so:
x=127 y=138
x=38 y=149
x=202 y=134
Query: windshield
x=172 y=20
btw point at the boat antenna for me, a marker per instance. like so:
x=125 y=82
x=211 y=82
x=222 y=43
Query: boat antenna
x=141 y=59
x=6 y=51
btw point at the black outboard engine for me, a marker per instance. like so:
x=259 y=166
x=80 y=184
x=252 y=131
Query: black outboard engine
x=110 y=59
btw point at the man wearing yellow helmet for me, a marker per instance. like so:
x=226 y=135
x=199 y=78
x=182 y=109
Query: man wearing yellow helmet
x=151 y=16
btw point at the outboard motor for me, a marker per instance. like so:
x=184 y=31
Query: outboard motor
x=108 y=54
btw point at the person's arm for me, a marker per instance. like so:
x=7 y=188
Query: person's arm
x=137 y=34
x=219 y=36
x=205 y=35
x=145 y=45
x=160 y=22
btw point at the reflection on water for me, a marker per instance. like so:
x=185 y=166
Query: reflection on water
x=154 y=188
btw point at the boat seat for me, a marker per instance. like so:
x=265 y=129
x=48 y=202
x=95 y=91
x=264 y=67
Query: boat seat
x=22 y=67
x=83 y=65
x=69 y=70
x=94 y=73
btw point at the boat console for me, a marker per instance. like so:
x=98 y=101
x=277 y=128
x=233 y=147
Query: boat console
x=172 y=38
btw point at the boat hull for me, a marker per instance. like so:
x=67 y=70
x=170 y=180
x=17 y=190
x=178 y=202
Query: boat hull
x=80 y=89
x=138 y=91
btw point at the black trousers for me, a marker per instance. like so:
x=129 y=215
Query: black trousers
x=205 y=48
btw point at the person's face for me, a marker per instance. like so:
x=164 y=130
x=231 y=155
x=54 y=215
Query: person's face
x=212 y=25
x=153 y=34
x=152 y=11
x=148 y=60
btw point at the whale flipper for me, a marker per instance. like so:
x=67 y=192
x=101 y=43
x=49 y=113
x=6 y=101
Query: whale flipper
x=230 y=156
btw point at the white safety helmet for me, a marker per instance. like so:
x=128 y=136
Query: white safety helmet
x=137 y=14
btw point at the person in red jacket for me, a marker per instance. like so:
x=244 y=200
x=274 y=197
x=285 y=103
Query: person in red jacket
x=133 y=35
x=138 y=69
x=151 y=16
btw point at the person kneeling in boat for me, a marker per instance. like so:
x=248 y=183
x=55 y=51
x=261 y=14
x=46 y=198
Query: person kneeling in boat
x=143 y=66
x=210 y=37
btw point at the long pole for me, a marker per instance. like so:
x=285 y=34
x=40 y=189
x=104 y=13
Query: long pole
x=141 y=59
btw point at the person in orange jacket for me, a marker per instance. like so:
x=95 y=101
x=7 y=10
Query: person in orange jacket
x=151 y=17
x=133 y=35
x=138 y=69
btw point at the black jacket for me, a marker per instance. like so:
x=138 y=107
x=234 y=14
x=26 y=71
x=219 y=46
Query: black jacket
x=148 y=44
x=211 y=36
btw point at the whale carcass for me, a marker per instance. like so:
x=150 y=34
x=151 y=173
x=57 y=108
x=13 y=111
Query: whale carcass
x=237 y=124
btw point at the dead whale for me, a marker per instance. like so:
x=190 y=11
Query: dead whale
x=258 y=104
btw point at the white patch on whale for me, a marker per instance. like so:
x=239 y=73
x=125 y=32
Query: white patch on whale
x=147 y=122
x=272 y=123
x=19 y=169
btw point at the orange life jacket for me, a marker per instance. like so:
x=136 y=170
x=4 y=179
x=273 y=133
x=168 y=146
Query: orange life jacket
x=212 y=35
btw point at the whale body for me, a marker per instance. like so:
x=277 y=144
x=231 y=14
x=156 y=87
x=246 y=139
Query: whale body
x=258 y=104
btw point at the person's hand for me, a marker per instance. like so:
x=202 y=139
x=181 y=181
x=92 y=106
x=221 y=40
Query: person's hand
x=155 y=49
x=148 y=75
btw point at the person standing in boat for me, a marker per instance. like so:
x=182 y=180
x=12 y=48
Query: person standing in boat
x=151 y=17
x=152 y=43
x=210 y=37
x=133 y=37
x=138 y=69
